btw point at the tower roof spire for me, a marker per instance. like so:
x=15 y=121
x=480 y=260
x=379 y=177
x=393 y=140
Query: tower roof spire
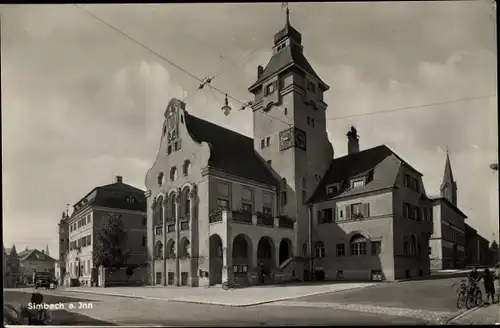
x=448 y=173
x=288 y=31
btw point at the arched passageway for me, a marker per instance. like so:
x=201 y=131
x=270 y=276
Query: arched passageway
x=285 y=251
x=266 y=254
x=215 y=251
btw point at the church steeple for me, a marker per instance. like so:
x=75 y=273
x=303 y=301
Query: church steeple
x=449 y=185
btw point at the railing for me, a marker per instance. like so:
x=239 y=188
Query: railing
x=216 y=215
x=242 y=216
x=259 y=218
x=285 y=222
x=265 y=219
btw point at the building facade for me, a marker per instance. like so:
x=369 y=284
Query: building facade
x=476 y=248
x=34 y=260
x=223 y=206
x=78 y=231
x=448 y=240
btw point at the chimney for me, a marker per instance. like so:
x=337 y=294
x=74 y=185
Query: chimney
x=119 y=179
x=260 y=70
x=352 y=141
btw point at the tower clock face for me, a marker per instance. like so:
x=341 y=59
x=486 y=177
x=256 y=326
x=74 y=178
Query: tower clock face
x=300 y=139
x=286 y=139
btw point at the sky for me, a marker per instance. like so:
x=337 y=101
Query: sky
x=81 y=103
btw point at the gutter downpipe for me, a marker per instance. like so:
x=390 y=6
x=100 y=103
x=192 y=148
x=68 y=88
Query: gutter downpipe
x=309 y=214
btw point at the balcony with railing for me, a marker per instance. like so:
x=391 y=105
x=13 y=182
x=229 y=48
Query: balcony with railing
x=245 y=217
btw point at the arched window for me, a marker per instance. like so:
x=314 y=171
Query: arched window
x=160 y=178
x=159 y=210
x=172 y=206
x=185 y=247
x=173 y=173
x=171 y=249
x=186 y=167
x=358 y=245
x=320 y=249
x=159 y=251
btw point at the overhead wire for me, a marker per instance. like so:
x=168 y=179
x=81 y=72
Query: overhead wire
x=212 y=88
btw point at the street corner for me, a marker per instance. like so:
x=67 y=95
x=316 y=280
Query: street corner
x=483 y=315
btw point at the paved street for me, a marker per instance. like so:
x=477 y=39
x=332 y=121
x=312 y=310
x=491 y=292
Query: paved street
x=130 y=311
x=59 y=317
x=417 y=302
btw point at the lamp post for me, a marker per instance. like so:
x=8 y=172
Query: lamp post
x=494 y=167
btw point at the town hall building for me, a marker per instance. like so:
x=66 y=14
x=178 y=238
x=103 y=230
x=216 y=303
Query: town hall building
x=223 y=206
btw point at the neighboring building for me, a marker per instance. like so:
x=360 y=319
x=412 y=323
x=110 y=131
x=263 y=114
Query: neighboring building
x=448 y=240
x=12 y=269
x=113 y=199
x=33 y=260
x=220 y=204
x=476 y=248
x=371 y=217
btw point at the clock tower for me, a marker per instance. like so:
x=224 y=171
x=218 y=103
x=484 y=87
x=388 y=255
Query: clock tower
x=289 y=119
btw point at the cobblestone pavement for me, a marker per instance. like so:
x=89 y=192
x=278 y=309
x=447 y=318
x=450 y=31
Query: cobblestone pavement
x=425 y=295
x=486 y=315
x=435 y=317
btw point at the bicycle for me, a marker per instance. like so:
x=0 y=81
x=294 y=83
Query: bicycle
x=462 y=294
x=474 y=295
x=233 y=284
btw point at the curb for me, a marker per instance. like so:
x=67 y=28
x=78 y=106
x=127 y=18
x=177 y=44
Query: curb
x=459 y=316
x=219 y=303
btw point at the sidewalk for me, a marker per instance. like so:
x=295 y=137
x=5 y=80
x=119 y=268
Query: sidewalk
x=217 y=296
x=485 y=315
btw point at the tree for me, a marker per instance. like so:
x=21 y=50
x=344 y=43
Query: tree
x=110 y=242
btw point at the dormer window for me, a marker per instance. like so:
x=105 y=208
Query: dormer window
x=270 y=88
x=357 y=183
x=332 y=189
x=131 y=199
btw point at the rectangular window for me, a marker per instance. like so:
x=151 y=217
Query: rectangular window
x=144 y=240
x=262 y=144
x=416 y=214
x=308 y=120
x=415 y=185
x=169 y=149
x=246 y=207
x=268 y=141
x=84 y=242
x=221 y=202
x=358 y=183
x=158 y=231
x=311 y=87
x=407 y=181
x=356 y=209
x=340 y=250
x=327 y=215
x=270 y=88
x=376 y=247
x=267 y=203
x=177 y=146
x=223 y=189
x=406 y=210
x=89 y=240
x=312 y=122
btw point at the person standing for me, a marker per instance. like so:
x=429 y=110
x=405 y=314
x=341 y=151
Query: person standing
x=489 y=286
x=496 y=276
